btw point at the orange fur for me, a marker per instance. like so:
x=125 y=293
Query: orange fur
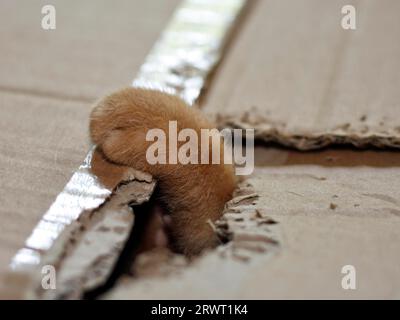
x=192 y=193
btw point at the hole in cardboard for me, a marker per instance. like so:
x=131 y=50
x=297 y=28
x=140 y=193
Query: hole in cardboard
x=244 y=230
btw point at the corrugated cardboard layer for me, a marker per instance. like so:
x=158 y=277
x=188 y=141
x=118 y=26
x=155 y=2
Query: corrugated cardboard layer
x=328 y=218
x=300 y=79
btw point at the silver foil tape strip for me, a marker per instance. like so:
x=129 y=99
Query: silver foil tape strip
x=180 y=63
x=190 y=48
x=82 y=192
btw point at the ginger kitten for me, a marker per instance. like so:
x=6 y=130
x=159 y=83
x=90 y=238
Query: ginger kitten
x=191 y=193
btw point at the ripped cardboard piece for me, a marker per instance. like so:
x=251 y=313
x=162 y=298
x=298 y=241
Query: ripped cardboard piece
x=97 y=239
x=276 y=132
x=309 y=83
x=82 y=251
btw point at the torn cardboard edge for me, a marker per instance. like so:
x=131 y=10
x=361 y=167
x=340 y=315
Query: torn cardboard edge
x=246 y=225
x=86 y=249
x=271 y=131
x=97 y=239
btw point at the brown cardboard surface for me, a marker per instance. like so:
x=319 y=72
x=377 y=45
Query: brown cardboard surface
x=311 y=83
x=97 y=47
x=42 y=142
x=317 y=239
x=301 y=80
